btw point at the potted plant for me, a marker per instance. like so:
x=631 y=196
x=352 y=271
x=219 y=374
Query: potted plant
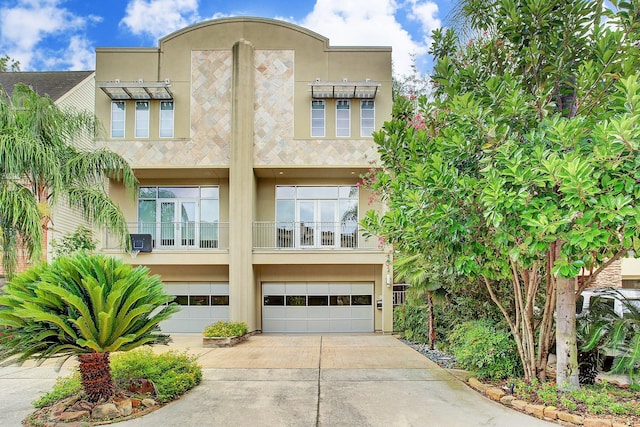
x=224 y=334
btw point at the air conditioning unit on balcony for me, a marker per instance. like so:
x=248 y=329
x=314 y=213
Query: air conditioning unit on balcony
x=141 y=242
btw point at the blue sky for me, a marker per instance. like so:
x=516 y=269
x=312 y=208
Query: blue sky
x=63 y=34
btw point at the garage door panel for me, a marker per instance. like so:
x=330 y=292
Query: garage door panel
x=361 y=325
x=316 y=325
x=197 y=309
x=331 y=307
x=273 y=289
x=296 y=325
x=318 y=289
x=219 y=289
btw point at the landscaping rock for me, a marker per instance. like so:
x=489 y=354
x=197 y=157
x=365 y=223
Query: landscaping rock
x=572 y=418
x=73 y=415
x=495 y=393
x=519 y=404
x=148 y=403
x=596 y=422
x=142 y=386
x=105 y=411
x=476 y=384
x=507 y=400
x=551 y=412
x=220 y=342
x=125 y=406
x=536 y=410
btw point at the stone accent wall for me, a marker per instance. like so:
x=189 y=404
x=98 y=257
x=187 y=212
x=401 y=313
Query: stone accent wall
x=274 y=122
x=211 y=75
x=610 y=276
x=273 y=101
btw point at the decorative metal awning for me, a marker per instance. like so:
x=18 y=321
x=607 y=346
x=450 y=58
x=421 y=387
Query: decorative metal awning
x=344 y=89
x=140 y=90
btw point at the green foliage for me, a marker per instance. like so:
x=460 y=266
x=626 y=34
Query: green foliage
x=81 y=304
x=9 y=64
x=412 y=322
x=481 y=347
x=172 y=373
x=608 y=333
x=64 y=387
x=80 y=240
x=226 y=329
x=41 y=165
x=596 y=399
x=528 y=145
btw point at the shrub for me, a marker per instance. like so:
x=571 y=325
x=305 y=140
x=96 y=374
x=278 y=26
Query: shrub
x=482 y=347
x=172 y=373
x=64 y=387
x=412 y=322
x=226 y=329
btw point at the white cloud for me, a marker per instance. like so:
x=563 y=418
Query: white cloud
x=25 y=26
x=375 y=23
x=157 y=18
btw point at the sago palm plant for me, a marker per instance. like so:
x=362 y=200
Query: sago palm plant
x=86 y=306
x=616 y=335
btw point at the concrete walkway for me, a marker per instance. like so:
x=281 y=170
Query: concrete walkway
x=310 y=380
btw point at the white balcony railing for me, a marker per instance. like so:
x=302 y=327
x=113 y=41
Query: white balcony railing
x=305 y=235
x=185 y=235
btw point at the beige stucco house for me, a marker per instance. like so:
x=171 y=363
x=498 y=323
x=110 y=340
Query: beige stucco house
x=248 y=137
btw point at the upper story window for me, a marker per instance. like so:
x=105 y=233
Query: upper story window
x=118 y=109
x=317 y=118
x=179 y=217
x=166 y=119
x=367 y=117
x=142 y=119
x=343 y=117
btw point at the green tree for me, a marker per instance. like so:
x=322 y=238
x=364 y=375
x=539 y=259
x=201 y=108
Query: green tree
x=8 y=64
x=86 y=306
x=41 y=167
x=80 y=240
x=427 y=280
x=523 y=166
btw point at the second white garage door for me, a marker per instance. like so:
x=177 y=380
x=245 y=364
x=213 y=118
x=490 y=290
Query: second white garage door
x=317 y=307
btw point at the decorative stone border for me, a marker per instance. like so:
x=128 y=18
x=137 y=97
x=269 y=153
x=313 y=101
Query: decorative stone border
x=218 y=342
x=549 y=413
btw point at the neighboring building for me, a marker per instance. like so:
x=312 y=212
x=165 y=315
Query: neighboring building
x=68 y=89
x=249 y=137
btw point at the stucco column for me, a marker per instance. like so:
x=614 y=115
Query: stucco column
x=242 y=298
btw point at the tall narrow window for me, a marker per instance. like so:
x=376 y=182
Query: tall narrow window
x=343 y=117
x=166 y=119
x=317 y=118
x=142 y=119
x=117 y=119
x=367 y=118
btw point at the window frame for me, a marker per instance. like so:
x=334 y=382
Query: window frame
x=165 y=121
x=324 y=118
x=364 y=130
x=138 y=119
x=124 y=119
x=343 y=131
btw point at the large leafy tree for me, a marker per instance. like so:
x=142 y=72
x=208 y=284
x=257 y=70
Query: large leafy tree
x=40 y=166
x=86 y=306
x=524 y=164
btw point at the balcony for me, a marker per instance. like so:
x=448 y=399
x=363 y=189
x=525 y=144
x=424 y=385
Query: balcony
x=187 y=235
x=309 y=235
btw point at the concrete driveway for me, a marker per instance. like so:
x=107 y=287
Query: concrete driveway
x=306 y=380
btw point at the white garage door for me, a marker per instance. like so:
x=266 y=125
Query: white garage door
x=201 y=304
x=317 y=307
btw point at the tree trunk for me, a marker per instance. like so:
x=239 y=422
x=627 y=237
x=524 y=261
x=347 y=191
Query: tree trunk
x=566 y=347
x=432 y=327
x=95 y=373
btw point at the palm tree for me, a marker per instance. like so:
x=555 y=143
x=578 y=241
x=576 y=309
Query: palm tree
x=426 y=282
x=612 y=334
x=86 y=306
x=40 y=167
